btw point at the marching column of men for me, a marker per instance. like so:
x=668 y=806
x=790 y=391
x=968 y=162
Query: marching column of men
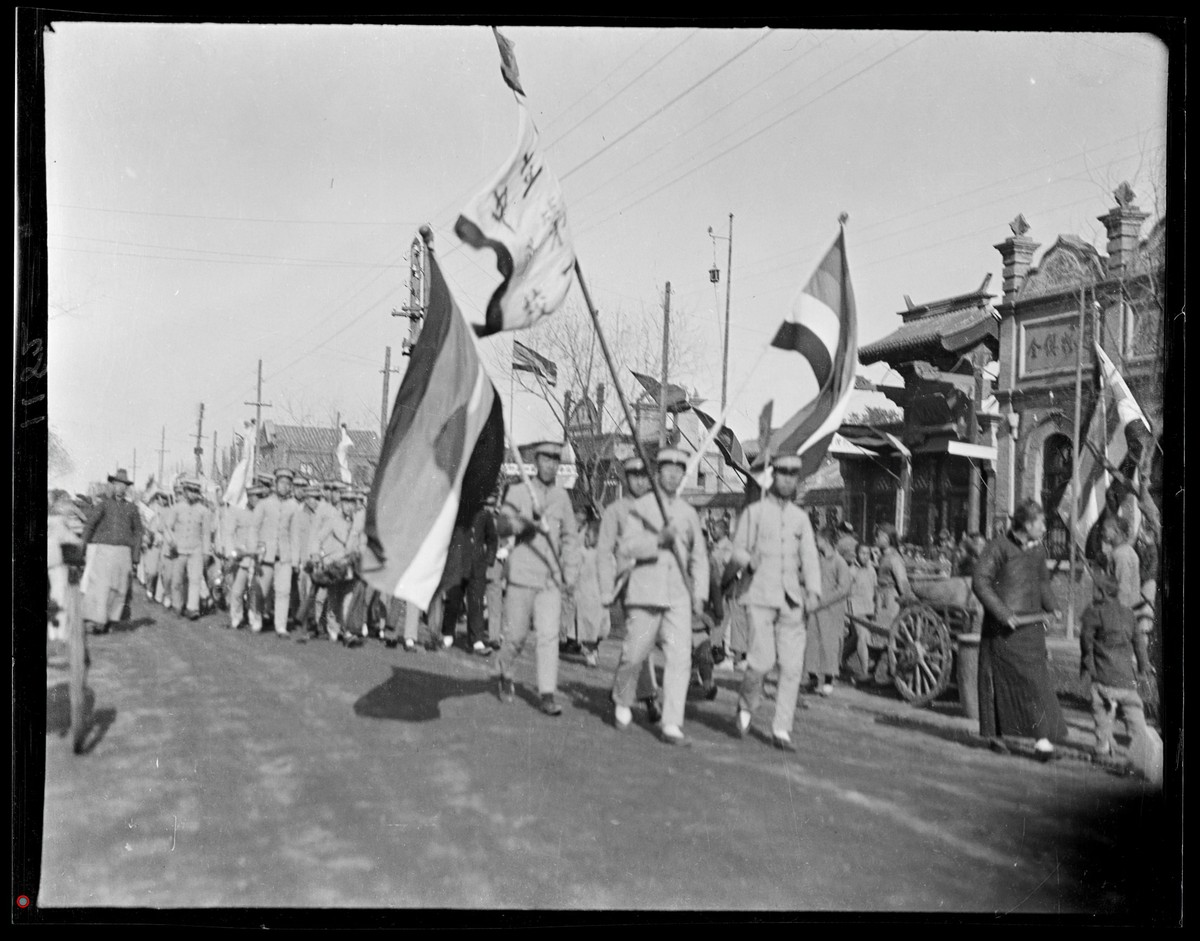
x=652 y=570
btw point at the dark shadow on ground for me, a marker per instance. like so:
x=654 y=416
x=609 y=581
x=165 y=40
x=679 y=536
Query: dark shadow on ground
x=123 y=627
x=414 y=696
x=58 y=715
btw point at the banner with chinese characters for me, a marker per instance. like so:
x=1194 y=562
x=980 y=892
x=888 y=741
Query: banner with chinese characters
x=521 y=215
x=1048 y=345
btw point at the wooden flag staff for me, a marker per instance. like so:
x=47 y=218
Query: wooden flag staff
x=637 y=442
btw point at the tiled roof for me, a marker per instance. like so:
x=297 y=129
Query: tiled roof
x=965 y=325
x=308 y=438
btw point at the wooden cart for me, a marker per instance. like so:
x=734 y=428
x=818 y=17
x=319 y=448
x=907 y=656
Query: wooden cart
x=921 y=639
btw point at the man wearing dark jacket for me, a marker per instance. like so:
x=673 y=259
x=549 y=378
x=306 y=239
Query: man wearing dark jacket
x=478 y=543
x=113 y=536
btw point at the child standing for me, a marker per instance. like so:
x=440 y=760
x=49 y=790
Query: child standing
x=1106 y=639
x=827 y=621
x=861 y=603
x=591 y=619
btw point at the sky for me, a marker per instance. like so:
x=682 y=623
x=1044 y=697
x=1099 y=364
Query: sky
x=221 y=194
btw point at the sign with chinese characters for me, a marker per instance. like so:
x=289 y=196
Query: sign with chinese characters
x=568 y=474
x=1048 y=345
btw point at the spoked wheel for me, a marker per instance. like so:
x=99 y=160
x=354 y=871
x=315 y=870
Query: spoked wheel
x=920 y=654
x=77 y=661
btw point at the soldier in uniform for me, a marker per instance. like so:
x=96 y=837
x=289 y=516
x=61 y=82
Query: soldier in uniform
x=242 y=546
x=189 y=528
x=273 y=544
x=152 y=556
x=613 y=569
x=113 y=536
x=338 y=552
x=774 y=541
x=543 y=563
x=308 y=527
x=660 y=598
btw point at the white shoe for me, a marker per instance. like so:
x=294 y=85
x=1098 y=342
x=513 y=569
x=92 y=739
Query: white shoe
x=827 y=689
x=590 y=658
x=479 y=646
x=447 y=641
x=1043 y=749
x=623 y=716
x=743 y=722
x=673 y=735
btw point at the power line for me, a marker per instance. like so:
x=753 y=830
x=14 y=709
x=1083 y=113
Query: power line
x=682 y=94
x=757 y=133
x=208 y=251
x=215 y=261
x=185 y=215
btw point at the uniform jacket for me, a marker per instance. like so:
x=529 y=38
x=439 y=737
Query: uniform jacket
x=655 y=580
x=1106 y=634
x=307 y=528
x=531 y=563
x=339 y=539
x=241 y=533
x=273 y=527
x=1011 y=578
x=611 y=564
x=778 y=536
x=114 y=523
x=189 y=527
x=1123 y=566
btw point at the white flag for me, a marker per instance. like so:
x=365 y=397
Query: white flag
x=521 y=215
x=343 y=461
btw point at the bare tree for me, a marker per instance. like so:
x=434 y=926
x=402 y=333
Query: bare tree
x=58 y=459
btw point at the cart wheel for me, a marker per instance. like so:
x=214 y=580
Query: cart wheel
x=77 y=660
x=920 y=654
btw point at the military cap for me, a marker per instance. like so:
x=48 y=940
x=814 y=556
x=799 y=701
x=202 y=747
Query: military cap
x=300 y=480
x=634 y=465
x=308 y=491
x=672 y=456
x=349 y=494
x=787 y=463
x=264 y=479
x=549 y=448
x=256 y=490
x=191 y=483
x=285 y=472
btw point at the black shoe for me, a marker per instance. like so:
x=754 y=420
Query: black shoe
x=653 y=710
x=506 y=690
x=549 y=706
x=301 y=637
x=997 y=745
x=494 y=644
x=193 y=616
x=711 y=693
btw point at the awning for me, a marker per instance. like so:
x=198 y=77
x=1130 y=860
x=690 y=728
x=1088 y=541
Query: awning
x=843 y=447
x=979 y=452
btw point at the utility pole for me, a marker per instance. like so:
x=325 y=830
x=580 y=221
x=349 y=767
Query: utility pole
x=215 y=469
x=728 y=295
x=199 y=449
x=383 y=408
x=662 y=392
x=135 y=466
x=162 y=449
x=259 y=405
x=418 y=289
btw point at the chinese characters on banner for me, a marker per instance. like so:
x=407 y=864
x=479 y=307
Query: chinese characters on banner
x=1048 y=346
x=521 y=215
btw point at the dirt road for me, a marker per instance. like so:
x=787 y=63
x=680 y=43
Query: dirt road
x=234 y=770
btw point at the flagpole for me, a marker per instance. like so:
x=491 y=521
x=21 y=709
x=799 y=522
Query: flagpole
x=1075 y=468
x=637 y=443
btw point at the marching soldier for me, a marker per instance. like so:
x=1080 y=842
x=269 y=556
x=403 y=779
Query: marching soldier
x=189 y=528
x=614 y=570
x=307 y=528
x=242 y=546
x=543 y=563
x=774 y=540
x=273 y=542
x=338 y=553
x=659 y=597
x=152 y=556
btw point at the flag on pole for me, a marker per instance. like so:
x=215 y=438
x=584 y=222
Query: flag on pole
x=441 y=456
x=508 y=62
x=522 y=216
x=240 y=477
x=823 y=329
x=342 y=459
x=677 y=395
x=727 y=443
x=1117 y=435
x=526 y=360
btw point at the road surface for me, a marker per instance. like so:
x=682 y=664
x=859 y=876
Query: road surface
x=232 y=770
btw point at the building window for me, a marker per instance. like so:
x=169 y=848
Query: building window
x=1056 y=478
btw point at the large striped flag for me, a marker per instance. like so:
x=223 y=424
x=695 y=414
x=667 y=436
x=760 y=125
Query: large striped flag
x=1117 y=435
x=522 y=216
x=240 y=478
x=341 y=454
x=440 y=459
x=823 y=328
